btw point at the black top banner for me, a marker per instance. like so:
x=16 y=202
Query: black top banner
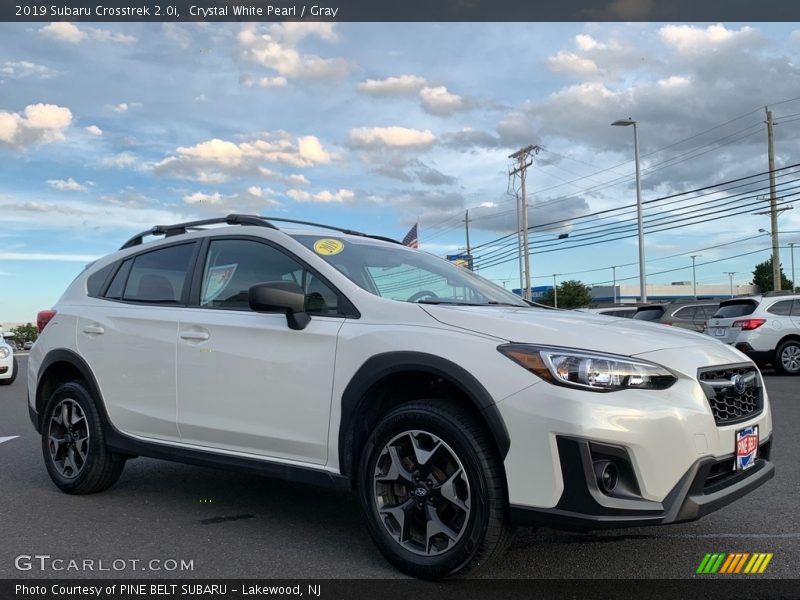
x=400 y=10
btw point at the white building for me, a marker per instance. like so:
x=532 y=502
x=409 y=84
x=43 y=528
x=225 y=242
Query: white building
x=680 y=290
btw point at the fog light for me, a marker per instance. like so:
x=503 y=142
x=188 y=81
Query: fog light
x=606 y=473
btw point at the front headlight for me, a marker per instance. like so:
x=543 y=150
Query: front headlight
x=588 y=370
x=4 y=352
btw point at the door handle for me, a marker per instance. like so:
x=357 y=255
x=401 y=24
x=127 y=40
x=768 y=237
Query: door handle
x=93 y=330
x=196 y=336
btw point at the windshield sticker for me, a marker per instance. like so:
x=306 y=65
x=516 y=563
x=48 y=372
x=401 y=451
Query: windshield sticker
x=217 y=279
x=328 y=247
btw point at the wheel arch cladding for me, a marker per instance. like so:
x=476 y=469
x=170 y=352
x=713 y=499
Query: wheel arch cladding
x=387 y=380
x=60 y=366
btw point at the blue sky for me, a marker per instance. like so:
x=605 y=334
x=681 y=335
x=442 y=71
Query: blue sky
x=107 y=129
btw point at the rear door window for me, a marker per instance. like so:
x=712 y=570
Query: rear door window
x=649 y=314
x=687 y=313
x=729 y=310
x=159 y=276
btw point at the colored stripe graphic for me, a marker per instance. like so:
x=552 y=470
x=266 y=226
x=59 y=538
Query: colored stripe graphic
x=734 y=563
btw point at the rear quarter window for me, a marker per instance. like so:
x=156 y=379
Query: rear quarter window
x=735 y=309
x=782 y=308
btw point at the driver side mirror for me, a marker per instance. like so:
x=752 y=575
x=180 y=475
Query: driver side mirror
x=281 y=296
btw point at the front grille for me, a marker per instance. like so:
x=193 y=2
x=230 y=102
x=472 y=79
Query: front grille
x=728 y=404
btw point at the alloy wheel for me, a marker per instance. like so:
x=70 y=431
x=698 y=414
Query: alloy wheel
x=790 y=358
x=422 y=493
x=68 y=438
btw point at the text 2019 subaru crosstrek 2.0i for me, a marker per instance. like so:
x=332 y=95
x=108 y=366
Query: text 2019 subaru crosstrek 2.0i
x=453 y=408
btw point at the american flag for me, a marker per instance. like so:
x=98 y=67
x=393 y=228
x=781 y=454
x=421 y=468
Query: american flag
x=411 y=237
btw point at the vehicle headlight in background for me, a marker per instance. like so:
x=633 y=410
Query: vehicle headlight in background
x=588 y=370
x=4 y=352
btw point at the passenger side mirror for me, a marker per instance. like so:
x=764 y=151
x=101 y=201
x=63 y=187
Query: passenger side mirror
x=281 y=296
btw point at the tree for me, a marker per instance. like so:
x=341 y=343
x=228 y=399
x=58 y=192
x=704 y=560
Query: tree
x=25 y=333
x=571 y=294
x=762 y=277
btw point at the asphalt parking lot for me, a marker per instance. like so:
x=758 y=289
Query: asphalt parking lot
x=241 y=526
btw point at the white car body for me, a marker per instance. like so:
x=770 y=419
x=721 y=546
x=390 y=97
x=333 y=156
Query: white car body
x=7 y=363
x=243 y=385
x=765 y=328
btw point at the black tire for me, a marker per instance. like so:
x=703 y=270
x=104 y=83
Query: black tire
x=787 y=358
x=99 y=469
x=484 y=533
x=14 y=370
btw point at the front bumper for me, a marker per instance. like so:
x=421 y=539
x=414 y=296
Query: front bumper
x=708 y=485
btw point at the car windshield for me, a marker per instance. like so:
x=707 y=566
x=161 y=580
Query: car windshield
x=408 y=275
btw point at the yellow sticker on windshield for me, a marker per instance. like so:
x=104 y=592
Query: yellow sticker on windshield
x=328 y=247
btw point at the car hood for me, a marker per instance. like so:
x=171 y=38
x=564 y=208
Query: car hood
x=567 y=328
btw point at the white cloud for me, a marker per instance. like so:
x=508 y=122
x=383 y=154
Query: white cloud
x=569 y=62
x=253 y=199
x=201 y=198
x=689 y=39
x=24 y=69
x=216 y=160
x=39 y=123
x=124 y=107
x=93 y=130
x=104 y=35
x=673 y=81
x=268 y=82
x=48 y=257
x=66 y=185
x=275 y=48
x=391 y=86
x=322 y=197
x=119 y=160
x=438 y=101
x=63 y=31
x=394 y=137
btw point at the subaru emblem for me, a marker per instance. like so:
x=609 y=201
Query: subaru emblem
x=739 y=384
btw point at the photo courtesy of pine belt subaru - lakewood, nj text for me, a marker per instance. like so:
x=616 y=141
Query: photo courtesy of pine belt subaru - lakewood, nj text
x=451 y=407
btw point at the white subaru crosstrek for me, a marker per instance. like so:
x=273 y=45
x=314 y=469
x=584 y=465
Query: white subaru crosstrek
x=452 y=407
x=765 y=328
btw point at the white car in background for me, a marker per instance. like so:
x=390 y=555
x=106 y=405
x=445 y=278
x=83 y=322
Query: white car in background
x=451 y=407
x=766 y=328
x=8 y=363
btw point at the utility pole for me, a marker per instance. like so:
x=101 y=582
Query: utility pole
x=614 y=285
x=555 y=291
x=773 y=200
x=694 y=275
x=469 y=250
x=521 y=156
x=794 y=281
x=731 y=274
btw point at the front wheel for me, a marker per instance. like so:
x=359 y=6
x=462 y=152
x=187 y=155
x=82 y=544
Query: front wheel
x=73 y=442
x=432 y=488
x=787 y=357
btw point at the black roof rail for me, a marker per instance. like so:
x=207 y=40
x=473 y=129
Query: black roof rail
x=180 y=228
x=331 y=227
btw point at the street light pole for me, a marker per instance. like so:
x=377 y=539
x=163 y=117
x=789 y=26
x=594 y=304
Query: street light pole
x=731 y=274
x=794 y=281
x=694 y=274
x=614 y=285
x=555 y=291
x=642 y=277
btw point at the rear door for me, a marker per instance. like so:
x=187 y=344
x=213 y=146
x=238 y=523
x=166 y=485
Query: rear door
x=246 y=382
x=129 y=337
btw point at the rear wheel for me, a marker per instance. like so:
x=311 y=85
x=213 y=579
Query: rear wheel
x=73 y=443
x=432 y=488
x=787 y=357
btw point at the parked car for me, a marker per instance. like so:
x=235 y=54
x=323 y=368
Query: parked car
x=625 y=312
x=766 y=328
x=451 y=407
x=689 y=314
x=27 y=345
x=8 y=363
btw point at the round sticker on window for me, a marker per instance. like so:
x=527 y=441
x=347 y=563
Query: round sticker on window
x=328 y=247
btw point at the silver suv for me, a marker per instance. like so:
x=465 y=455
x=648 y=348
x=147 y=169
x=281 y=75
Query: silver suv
x=766 y=328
